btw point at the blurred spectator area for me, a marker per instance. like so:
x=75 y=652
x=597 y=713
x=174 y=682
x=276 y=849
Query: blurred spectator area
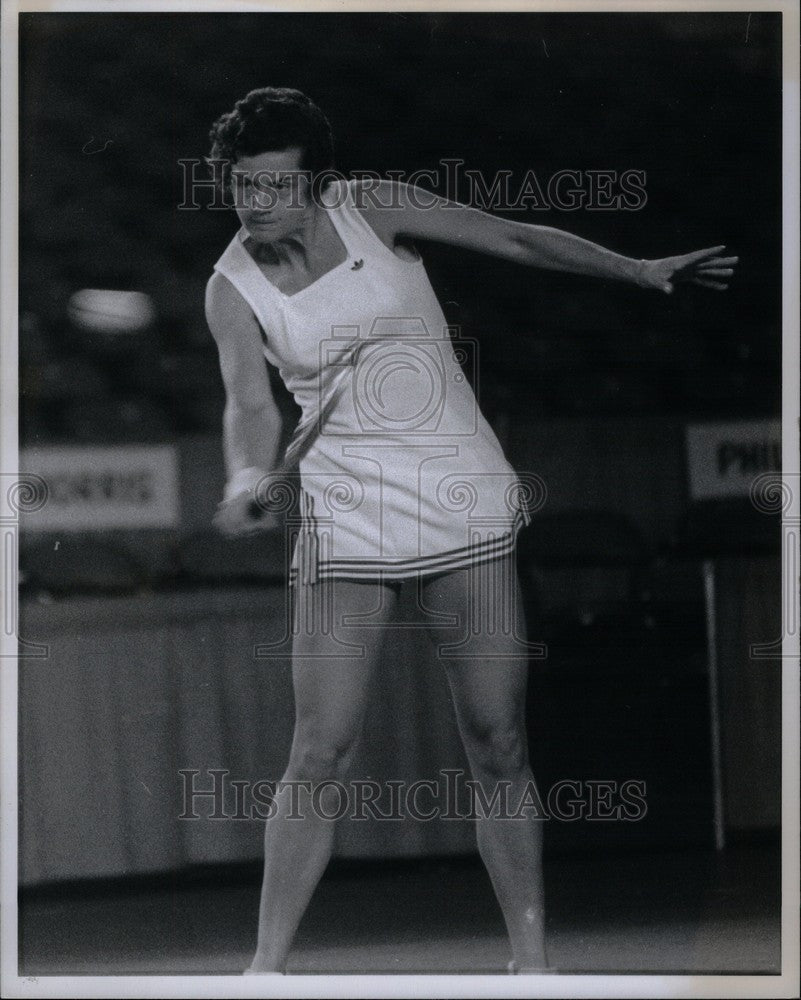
x=77 y=387
x=83 y=388
x=108 y=115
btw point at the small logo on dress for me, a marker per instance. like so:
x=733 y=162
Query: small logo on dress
x=357 y=264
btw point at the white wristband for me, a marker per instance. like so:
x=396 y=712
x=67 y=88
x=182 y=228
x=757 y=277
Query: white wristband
x=243 y=481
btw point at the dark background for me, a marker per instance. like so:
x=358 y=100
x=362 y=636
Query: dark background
x=110 y=104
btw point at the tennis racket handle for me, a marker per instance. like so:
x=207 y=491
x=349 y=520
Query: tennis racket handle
x=242 y=480
x=255 y=510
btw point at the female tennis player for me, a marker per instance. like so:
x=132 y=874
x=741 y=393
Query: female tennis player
x=400 y=475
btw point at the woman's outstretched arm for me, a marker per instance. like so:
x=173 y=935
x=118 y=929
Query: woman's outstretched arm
x=397 y=210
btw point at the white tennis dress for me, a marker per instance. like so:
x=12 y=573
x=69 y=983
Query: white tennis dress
x=406 y=476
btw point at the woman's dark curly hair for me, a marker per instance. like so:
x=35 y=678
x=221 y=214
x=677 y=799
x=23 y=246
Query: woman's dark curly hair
x=268 y=119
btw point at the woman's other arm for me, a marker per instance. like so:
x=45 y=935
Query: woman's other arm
x=416 y=213
x=251 y=418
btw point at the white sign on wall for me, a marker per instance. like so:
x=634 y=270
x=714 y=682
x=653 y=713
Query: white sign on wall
x=93 y=488
x=725 y=458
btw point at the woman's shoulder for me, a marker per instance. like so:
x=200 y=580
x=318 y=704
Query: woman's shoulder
x=374 y=201
x=371 y=193
x=224 y=301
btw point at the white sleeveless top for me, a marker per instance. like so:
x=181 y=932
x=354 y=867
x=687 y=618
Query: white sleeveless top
x=406 y=475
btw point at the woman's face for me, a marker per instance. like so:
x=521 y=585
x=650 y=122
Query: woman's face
x=271 y=193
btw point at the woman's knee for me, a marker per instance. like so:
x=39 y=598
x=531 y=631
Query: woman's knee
x=320 y=756
x=497 y=749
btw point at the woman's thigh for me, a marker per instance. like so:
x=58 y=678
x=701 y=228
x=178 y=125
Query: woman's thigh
x=484 y=651
x=334 y=659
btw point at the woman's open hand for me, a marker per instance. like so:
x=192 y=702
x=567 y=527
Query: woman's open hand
x=702 y=267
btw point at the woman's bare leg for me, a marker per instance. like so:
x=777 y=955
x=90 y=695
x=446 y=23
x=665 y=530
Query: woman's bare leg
x=489 y=698
x=331 y=692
